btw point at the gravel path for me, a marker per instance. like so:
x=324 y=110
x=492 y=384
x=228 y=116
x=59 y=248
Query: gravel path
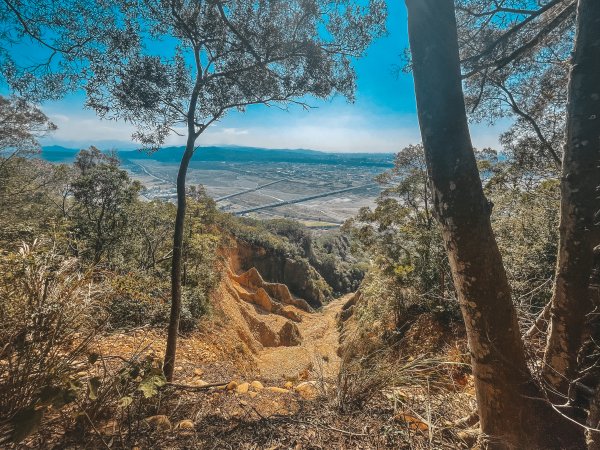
x=317 y=353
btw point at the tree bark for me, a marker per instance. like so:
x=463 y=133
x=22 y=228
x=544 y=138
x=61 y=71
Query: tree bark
x=579 y=204
x=512 y=413
x=170 y=352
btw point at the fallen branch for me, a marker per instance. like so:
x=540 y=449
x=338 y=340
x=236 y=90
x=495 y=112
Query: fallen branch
x=538 y=325
x=466 y=422
x=190 y=387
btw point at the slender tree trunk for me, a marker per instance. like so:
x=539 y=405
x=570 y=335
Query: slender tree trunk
x=169 y=362
x=579 y=203
x=512 y=414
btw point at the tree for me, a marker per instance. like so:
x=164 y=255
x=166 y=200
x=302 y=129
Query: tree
x=24 y=180
x=215 y=56
x=225 y=55
x=580 y=204
x=103 y=196
x=505 y=388
x=57 y=37
x=152 y=225
x=516 y=60
x=21 y=125
x=401 y=229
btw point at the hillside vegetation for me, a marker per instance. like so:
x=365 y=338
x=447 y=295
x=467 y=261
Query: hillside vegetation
x=86 y=260
x=456 y=310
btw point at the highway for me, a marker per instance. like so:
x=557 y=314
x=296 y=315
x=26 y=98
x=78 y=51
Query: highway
x=250 y=190
x=302 y=199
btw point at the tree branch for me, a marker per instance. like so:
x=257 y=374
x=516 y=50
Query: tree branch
x=234 y=30
x=546 y=30
x=512 y=31
x=527 y=117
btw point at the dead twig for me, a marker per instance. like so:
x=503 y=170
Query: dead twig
x=190 y=387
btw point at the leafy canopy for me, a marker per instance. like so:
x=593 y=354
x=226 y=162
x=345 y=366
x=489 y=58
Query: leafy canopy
x=221 y=55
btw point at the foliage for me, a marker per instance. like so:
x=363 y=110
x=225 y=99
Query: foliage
x=28 y=187
x=525 y=221
x=330 y=252
x=401 y=233
x=339 y=260
x=409 y=261
x=254 y=232
x=228 y=55
x=103 y=195
x=22 y=125
x=201 y=243
x=32 y=195
x=222 y=56
x=149 y=242
x=49 y=312
x=338 y=263
x=137 y=299
x=516 y=64
x=92 y=211
x=362 y=380
x=57 y=37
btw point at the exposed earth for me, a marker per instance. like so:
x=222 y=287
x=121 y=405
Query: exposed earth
x=319 y=346
x=262 y=372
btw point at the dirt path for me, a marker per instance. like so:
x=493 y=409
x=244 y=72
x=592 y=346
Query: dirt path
x=319 y=348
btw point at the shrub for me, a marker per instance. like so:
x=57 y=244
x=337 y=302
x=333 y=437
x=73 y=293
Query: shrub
x=196 y=302
x=134 y=304
x=49 y=313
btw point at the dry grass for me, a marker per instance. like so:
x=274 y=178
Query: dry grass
x=49 y=314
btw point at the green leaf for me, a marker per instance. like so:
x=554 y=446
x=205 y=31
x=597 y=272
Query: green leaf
x=125 y=402
x=26 y=422
x=149 y=385
x=93 y=384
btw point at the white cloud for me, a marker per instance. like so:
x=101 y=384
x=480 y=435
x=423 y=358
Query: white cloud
x=235 y=131
x=84 y=129
x=344 y=130
x=317 y=137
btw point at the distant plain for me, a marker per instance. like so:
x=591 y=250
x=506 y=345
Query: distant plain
x=289 y=174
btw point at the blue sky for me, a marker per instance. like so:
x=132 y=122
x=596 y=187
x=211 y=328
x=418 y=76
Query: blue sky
x=382 y=119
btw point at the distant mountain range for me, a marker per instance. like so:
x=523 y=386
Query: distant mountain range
x=172 y=155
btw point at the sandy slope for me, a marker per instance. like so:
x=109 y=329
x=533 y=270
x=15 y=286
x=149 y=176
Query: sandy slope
x=231 y=344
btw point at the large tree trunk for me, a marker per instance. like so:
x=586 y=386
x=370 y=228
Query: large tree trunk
x=579 y=203
x=169 y=362
x=510 y=415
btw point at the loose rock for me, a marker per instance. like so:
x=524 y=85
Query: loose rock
x=307 y=390
x=242 y=388
x=160 y=422
x=185 y=425
x=278 y=390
